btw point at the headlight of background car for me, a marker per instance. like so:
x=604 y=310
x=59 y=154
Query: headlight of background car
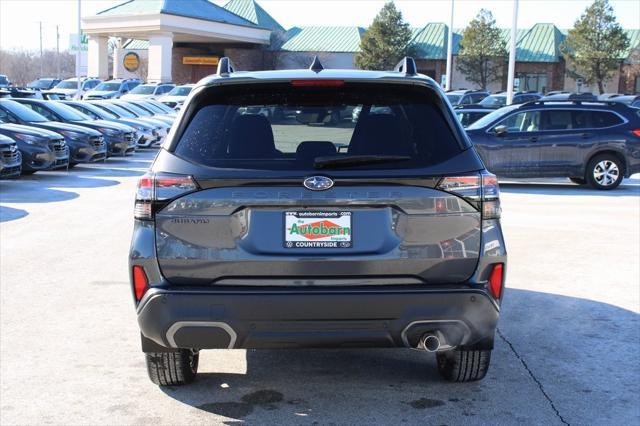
x=31 y=140
x=109 y=132
x=71 y=135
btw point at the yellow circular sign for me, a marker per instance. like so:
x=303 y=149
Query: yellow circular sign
x=131 y=61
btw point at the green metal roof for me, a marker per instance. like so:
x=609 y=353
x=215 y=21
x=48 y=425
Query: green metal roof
x=133 y=44
x=197 y=9
x=634 y=44
x=253 y=12
x=540 y=43
x=323 y=39
x=431 y=41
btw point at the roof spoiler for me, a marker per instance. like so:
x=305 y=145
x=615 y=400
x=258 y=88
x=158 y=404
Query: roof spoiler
x=225 y=67
x=407 y=66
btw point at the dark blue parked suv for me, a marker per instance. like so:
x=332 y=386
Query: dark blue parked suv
x=589 y=142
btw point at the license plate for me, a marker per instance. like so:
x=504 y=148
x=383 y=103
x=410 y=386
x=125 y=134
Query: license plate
x=317 y=229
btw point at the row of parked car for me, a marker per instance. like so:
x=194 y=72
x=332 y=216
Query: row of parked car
x=37 y=134
x=471 y=105
x=95 y=89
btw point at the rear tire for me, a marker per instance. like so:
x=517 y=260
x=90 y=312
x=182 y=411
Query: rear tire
x=172 y=368
x=578 y=181
x=463 y=365
x=605 y=171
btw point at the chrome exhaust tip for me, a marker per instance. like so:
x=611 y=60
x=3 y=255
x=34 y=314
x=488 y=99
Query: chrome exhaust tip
x=430 y=342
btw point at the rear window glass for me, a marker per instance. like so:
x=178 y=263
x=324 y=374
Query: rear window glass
x=280 y=127
x=604 y=119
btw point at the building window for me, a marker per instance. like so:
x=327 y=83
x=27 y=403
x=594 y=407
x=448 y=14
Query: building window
x=636 y=88
x=532 y=81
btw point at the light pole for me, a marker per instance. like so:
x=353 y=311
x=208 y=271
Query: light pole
x=78 y=53
x=41 y=60
x=448 y=73
x=512 y=53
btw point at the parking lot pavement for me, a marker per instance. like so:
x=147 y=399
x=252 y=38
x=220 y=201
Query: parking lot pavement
x=568 y=349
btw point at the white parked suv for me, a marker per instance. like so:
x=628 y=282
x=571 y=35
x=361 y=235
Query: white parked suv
x=149 y=91
x=69 y=87
x=176 y=97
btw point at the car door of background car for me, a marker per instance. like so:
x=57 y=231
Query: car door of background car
x=566 y=135
x=514 y=153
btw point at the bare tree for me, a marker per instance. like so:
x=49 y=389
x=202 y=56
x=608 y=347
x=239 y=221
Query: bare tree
x=23 y=66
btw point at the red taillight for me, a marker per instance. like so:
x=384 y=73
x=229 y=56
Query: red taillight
x=636 y=132
x=159 y=187
x=495 y=280
x=140 y=282
x=317 y=83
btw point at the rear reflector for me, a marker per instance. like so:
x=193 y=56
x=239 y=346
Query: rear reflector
x=317 y=83
x=636 y=132
x=495 y=280
x=140 y=282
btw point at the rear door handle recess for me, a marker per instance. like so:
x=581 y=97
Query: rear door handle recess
x=533 y=139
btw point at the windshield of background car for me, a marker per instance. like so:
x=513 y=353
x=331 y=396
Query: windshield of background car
x=180 y=91
x=22 y=112
x=453 y=99
x=135 y=109
x=101 y=113
x=66 y=112
x=491 y=117
x=67 y=85
x=151 y=107
x=3 y=80
x=165 y=109
x=108 y=87
x=40 y=84
x=492 y=101
x=115 y=109
x=284 y=127
x=143 y=90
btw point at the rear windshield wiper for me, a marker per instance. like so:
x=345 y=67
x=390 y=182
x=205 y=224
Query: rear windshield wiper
x=356 y=160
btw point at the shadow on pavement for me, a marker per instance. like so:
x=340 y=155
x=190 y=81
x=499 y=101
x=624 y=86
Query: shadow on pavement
x=628 y=188
x=583 y=354
x=43 y=188
x=8 y=213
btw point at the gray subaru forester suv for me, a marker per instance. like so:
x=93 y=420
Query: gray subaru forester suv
x=270 y=219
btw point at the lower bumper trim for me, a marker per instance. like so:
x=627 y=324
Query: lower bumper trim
x=342 y=318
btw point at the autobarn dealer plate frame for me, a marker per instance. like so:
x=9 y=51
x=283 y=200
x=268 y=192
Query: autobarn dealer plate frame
x=311 y=229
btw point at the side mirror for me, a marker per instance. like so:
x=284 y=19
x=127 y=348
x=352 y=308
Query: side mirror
x=500 y=130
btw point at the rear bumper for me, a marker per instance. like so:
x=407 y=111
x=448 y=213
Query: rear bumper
x=277 y=318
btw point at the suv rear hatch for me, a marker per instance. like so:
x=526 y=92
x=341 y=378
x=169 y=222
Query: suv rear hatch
x=305 y=183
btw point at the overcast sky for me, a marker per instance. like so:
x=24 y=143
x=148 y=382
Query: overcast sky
x=19 y=28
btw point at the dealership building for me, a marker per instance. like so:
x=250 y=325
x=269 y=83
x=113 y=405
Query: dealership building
x=180 y=41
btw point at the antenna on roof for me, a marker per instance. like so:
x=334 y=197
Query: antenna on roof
x=316 y=66
x=407 y=65
x=225 y=67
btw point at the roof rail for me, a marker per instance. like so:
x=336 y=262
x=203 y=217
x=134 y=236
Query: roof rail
x=571 y=101
x=407 y=65
x=225 y=67
x=316 y=66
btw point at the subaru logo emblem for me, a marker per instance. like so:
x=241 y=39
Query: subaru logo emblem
x=318 y=183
